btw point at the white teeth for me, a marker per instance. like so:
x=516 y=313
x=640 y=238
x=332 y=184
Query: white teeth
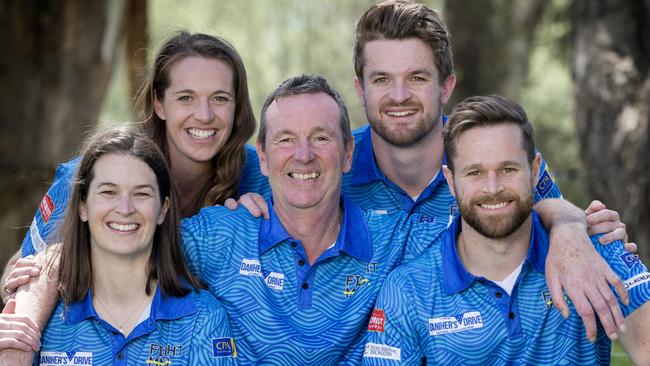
x=201 y=134
x=494 y=207
x=400 y=114
x=120 y=227
x=313 y=175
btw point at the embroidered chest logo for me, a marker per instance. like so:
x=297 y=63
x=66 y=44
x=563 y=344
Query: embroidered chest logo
x=377 y=320
x=161 y=354
x=65 y=358
x=455 y=324
x=353 y=283
x=224 y=347
x=548 y=301
x=252 y=267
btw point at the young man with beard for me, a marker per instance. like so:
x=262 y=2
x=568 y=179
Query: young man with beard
x=478 y=296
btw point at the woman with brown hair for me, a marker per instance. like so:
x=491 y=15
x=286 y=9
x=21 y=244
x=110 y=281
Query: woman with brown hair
x=127 y=295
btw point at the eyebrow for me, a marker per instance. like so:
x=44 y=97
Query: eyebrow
x=112 y=185
x=502 y=164
x=315 y=130
x=190 y=91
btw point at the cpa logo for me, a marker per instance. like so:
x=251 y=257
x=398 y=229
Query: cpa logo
x=353 y=283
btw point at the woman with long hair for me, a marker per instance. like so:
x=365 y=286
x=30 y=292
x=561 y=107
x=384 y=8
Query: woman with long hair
x=194 y=103
x=126 y=292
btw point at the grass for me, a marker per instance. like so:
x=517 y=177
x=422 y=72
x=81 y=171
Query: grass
x=619 y=357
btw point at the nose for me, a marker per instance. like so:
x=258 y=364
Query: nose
x=492 y=183
x=399 y=92
x=203 y=112
x=304 y=151
x=124 y=205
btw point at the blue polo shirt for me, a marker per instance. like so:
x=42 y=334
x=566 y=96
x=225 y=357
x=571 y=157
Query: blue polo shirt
x=284 y=310
x=369 y=188
x=44 y=229
x=190 y=330
x=433 y=309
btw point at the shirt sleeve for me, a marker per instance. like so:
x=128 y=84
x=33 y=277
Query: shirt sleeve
x=546 y=187
x=392 y=334
x=212 y=341
x=630 y=270
x=44 y=229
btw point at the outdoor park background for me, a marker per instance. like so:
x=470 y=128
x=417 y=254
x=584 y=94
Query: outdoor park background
x=580 y=68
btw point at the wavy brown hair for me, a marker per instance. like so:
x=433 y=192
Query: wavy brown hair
x=228 y=164
x=166 y=262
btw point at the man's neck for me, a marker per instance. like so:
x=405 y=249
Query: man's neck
x=413 y=167
x=316 y=227
x=493 y=259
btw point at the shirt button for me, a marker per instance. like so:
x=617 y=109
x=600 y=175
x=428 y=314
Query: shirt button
x=511 y=315
x=293 y=244
x=498 y=294
x=119 y=356
x=305 y=286
x=301 y=263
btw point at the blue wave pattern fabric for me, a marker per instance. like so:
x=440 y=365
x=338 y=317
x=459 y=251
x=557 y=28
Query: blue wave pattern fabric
x=433 y=309
x=283 y=310
x=44 y=229
x=369 y=188
x=192 y=330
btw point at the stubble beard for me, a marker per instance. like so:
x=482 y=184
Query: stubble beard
x=497 y=227
x=404 y=136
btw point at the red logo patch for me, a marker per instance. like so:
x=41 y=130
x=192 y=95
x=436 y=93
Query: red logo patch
x=377 y=320
x=46 y=208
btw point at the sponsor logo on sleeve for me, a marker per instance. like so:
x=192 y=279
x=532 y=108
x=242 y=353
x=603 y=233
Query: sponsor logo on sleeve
x=455 y=324
x=374 y=350
x=377 y=320
x=224 y=347
x=65 y=358
x=252 y=267
x=544 y=183
x=46 y=207
x=629 y=259
x=635 y=281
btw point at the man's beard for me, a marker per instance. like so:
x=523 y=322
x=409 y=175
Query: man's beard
x=493 y=226
x=404 y=137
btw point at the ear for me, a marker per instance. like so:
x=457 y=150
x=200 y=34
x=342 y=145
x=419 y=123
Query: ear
x=163 y=211
x=158 y=108
x=262 y=157
x=447 y=88
x=83 y=211
x=358 y=85
x=449 y=176
x=537 y=163
x=349 y=153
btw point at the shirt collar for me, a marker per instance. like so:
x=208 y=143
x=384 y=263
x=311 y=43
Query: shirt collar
x=457 y=278
x=353 y=238
x=162 y=308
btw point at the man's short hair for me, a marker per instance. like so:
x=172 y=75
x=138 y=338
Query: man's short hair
x=306 y=84
x=483 y=111
x=400 y=19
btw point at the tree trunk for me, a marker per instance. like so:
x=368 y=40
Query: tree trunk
x=57 y=60
x=137 y=40
x=491 y=41
x=611 y=67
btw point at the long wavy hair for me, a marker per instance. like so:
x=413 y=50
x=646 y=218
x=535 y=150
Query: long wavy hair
x=227 y=164
x=166 y=262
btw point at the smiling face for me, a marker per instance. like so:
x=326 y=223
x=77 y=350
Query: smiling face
x=123 y=207
x=401 y=91
x=492 y=179
x=304 y=154
x=198 y=108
